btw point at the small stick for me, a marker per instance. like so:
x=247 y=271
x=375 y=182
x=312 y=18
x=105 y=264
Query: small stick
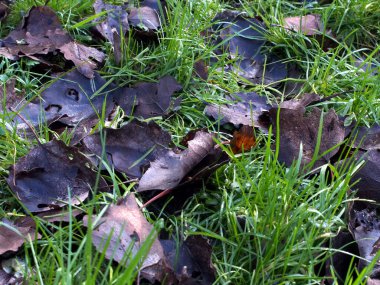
x=162 y=194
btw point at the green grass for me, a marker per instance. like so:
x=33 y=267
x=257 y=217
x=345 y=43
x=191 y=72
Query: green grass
x=268 y=224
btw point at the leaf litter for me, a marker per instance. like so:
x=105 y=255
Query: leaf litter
x=53 y=174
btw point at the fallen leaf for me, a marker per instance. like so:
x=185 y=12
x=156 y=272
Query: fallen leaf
x=144 y=18
x=168 y=170
x=114 y=26
x=50 y=176
x=70 y=101
x=8 y=96
x=12 y=236
x=4 y=10
x=365 y=227
x=367 y=138
x=41 y=33
x=127 y=229
x=130 y=148
x=298 y=128
x=243 y=38
x=190 y=260
x=308 y=24
x=339 y=263
x=367 y=179
x=243 y=140
x=154 y=99
x=246 y=109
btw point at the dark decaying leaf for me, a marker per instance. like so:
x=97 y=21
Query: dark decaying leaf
x=190 y=260
x=364 y=225
x=298 y=127
x=50 y=176
x=168 y=170
x=367 y=138
x=368 y=177
x=130 y=148
x=114 y=26
x=338 y=264
x=4 y=10
x=154 y=99
x=243 y=38
x=246 y=109
x=126 y=228
x=8 y=96
x=13 y=236
x=41 y=33
x=70 y=101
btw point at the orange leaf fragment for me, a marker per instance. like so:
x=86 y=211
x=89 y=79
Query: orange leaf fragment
x=243 y=140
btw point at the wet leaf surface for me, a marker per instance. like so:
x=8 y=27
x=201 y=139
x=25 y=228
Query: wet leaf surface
x=168 y=170
x=41 y=33
x=131 y=148
x=51 y=176
x=126 y=228
x=245 y=109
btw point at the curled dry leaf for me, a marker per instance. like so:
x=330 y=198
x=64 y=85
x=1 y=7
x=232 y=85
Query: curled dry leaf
x=4 y=10
x=41 y=33
x=168 y=170
x=51 y=176
x=299 y=128
x=126 y=228
x=13 y=236
x=245 y=109
x=130 y=148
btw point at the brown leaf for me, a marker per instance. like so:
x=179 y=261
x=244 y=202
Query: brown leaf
x=126 y=228
x=169 y=169
x=298 y=128
x=308 y=24
x=12 y=236
x=8 y=96
x=367 y=138
x=41 y=33
x=131 y=147
x=43 y=178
